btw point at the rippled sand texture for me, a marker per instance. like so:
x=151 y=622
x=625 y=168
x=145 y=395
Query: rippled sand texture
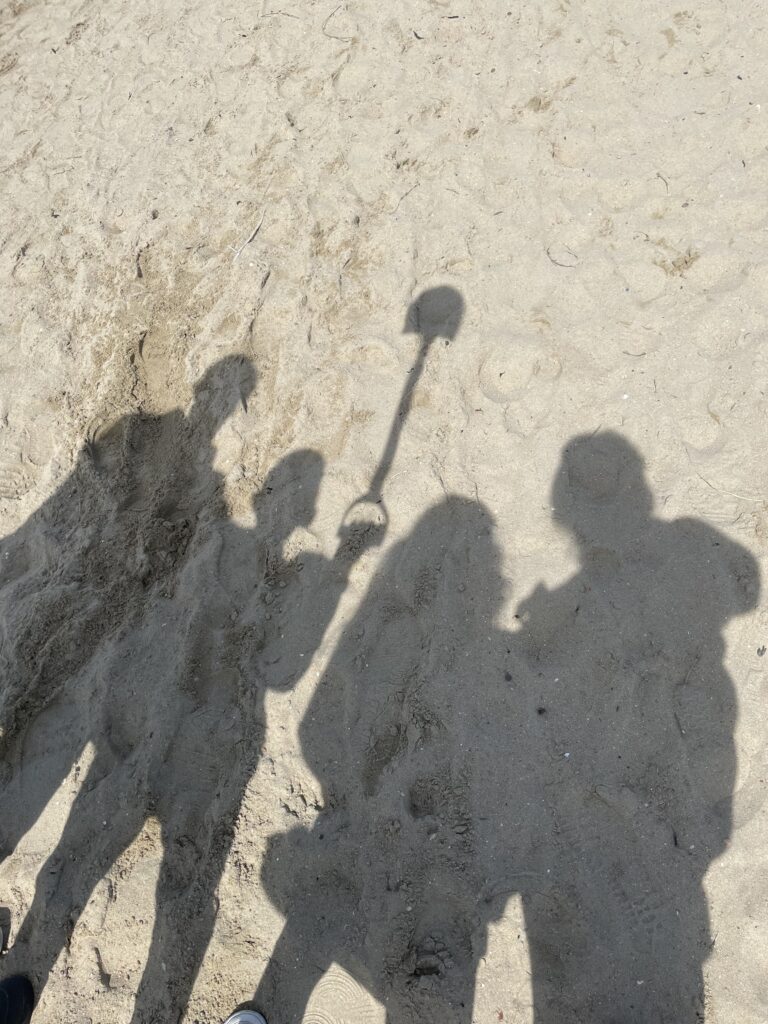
x=188 y=182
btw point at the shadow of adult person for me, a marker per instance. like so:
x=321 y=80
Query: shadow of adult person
x=101 y=559
x=385 y=884
x=584 y=762
x=629 y=715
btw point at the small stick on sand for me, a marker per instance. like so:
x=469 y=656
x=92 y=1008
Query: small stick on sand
x=330 y=35
x=252 y=235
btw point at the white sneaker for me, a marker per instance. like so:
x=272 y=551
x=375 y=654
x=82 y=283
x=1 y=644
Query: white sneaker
x=246 y=1017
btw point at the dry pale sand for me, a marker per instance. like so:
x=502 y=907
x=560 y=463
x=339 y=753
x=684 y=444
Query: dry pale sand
x=500 y=753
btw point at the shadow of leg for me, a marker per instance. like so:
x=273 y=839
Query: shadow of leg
x=101 y=824
x=42 y=757
x=186 y=907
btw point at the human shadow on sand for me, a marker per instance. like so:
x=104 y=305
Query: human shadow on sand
x=140 y=623
x=583 y=762
x=137 y=617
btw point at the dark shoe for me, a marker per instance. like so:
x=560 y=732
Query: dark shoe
x=17 y=998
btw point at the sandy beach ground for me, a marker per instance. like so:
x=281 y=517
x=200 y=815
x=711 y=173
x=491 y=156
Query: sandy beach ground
x=215 y=219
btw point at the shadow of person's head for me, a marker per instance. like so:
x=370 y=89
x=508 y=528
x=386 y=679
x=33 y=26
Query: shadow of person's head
x=224 y=386
x=451 y=563
x=600 y=494
x=436 y=313
x=288 y=499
